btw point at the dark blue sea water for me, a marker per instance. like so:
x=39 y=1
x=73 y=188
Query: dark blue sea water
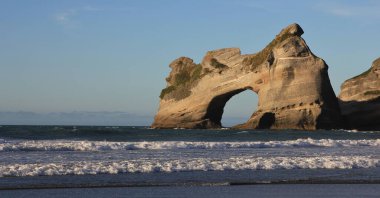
x=96 y=156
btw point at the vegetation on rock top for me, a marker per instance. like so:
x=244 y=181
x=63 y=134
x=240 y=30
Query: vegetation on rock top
x=183 y=82
x=375 y=64
x=257 y=59
x=362 y=74
x=215 y=63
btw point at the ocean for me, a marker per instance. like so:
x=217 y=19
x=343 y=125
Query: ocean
x=144 y=160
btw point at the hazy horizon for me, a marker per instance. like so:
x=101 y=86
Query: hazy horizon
x=95 y=56
x=85 y=118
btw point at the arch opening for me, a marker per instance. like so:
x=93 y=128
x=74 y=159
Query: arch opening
x=241 y=104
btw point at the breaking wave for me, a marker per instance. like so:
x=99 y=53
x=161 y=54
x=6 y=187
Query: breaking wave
x=194 y=164
x=68 y=145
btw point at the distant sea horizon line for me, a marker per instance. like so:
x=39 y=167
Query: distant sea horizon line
x=88 y=118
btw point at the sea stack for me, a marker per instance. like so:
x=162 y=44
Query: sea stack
x=360 y=99
x=292 y=84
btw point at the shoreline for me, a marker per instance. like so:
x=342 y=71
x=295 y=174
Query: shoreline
x=190 y=184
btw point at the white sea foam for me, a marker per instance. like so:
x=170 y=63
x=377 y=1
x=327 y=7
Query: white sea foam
x=356 y=131
x=192 y=164
x=68 y=145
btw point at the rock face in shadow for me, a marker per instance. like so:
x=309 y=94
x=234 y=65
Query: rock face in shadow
x=292 y=84
x=360 y=99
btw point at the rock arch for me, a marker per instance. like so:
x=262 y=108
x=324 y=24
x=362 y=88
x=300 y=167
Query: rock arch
x=216 y=106
x=292 y=84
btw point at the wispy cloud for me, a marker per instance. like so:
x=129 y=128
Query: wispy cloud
x=368 y=9
x=69 y=18
x=66 y=18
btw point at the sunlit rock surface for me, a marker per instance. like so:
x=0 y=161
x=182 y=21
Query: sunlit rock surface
x=360 y=99
x=292 y=84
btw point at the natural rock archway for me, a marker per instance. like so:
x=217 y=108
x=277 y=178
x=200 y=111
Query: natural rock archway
x=292 y=84
x=215 y=108
x=239 y=108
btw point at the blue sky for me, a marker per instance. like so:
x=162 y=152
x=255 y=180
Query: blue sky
x=106 y=56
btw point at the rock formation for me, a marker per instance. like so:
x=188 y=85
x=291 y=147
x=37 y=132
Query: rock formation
x=292 y=84
x=360 y=99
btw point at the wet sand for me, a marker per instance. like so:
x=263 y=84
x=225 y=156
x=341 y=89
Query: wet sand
x=264 y=190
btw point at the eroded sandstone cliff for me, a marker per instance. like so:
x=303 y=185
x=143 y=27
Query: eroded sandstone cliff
x=360 y=99
x=292 y=84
